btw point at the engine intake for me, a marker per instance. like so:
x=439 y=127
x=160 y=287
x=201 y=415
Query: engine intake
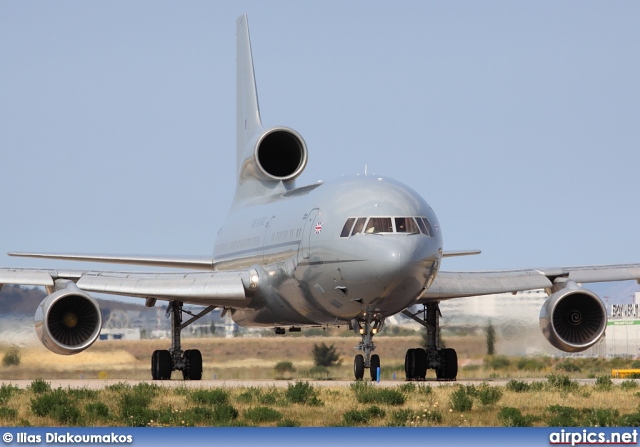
x=68 y=321
x=281 y=154
x=573 y=319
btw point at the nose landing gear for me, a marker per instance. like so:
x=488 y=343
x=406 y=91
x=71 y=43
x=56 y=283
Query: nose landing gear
x=366 y=329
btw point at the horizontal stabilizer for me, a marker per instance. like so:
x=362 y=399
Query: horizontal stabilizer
x=184 y=262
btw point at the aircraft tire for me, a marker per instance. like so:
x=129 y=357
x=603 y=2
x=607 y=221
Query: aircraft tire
x=161 y=365
x=409 y=364
x=375 y=364
x=420 y=364
x=358 y=367
x=193 y=365
x=450 y=364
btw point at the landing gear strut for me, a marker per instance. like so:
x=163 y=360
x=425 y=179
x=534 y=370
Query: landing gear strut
x=163 y=362
x=366 y=329
x=443 y=360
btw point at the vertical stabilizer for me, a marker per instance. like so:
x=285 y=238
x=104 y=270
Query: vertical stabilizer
x=248 y=122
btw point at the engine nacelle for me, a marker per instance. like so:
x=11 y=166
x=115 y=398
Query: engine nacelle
x=280 y=154
x=68 y=321
x=573 y=319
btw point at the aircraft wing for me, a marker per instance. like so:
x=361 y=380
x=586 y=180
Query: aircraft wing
x=182 y=262
x=218 y=288
x=460 y=284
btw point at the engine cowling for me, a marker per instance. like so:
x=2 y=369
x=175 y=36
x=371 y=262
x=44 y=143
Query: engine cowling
x=68 y=321
x=280 y=154
x=573 y=319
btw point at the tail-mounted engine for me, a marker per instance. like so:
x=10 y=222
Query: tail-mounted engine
x=278 y=154
x=573 y=319
x=68 y=321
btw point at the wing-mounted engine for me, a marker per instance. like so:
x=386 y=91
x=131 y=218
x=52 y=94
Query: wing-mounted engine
x=573 y=319
x=277 y=155
x=68 y=321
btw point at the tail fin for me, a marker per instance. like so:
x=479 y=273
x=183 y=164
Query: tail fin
x=268 y=160
x=248 y=123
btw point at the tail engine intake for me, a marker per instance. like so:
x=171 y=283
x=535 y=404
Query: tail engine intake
x=281 y=154
x=573 y=319
x=68 y=321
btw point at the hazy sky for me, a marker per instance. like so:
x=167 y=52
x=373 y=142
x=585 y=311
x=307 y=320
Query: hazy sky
x=519 y=122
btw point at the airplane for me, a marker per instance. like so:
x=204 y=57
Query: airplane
x=350 y=252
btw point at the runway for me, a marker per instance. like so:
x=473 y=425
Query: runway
x=96 y=384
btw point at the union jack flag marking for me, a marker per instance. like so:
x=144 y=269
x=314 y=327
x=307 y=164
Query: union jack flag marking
x=318 y=227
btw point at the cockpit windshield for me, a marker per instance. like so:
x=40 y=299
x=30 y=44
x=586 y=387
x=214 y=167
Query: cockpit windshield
x=385 y=225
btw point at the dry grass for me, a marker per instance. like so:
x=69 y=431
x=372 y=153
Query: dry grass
x=417 y=409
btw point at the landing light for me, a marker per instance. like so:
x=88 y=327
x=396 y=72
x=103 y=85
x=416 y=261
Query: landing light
x=374 y=330
x=361 y=331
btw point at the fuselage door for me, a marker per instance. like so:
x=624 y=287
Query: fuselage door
x=309 y=229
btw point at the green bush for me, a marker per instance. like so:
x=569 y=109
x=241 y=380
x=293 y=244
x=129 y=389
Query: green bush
x=529 y=364
x=600 y=417
x=271 y=397
x=214 y=396
x=11 y=357
x=367 y=393
x=324 y=355
x=401 y=418
x=361 y=417
x=460 y=400
x=39 y=386
x=302 y=393
x=57 y=405
x=288 y=423
x=283 y=368
x=603 y=383
x=96 y=410
x=8 y=413
x=6 y=391
x=83 y=393
x=518 y=386
x=629 y=420
x=562 y=383
x=488 y=395
x=224 y=414
x=262 y=414
x=629 y=385
x=512 y=417
x=561 y=416
x=497 y=362
x=567 y=366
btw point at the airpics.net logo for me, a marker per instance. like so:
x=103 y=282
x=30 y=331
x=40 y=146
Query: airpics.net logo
x=588 y=437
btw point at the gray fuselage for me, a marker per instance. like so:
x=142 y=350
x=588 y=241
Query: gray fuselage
x=311 y=273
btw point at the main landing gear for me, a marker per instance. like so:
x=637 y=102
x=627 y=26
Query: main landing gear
x=163 y=362
x=417 y=361
x=366 y=329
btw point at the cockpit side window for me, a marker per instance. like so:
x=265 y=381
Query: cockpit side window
x=359 y=225
x=346 y=230
x=425 y=226
x=379 y=225
x=406 y=225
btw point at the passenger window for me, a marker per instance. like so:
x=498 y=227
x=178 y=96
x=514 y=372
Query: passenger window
x=346 y=230
x=359 y=225
x=406 y=225
x=379 y=225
